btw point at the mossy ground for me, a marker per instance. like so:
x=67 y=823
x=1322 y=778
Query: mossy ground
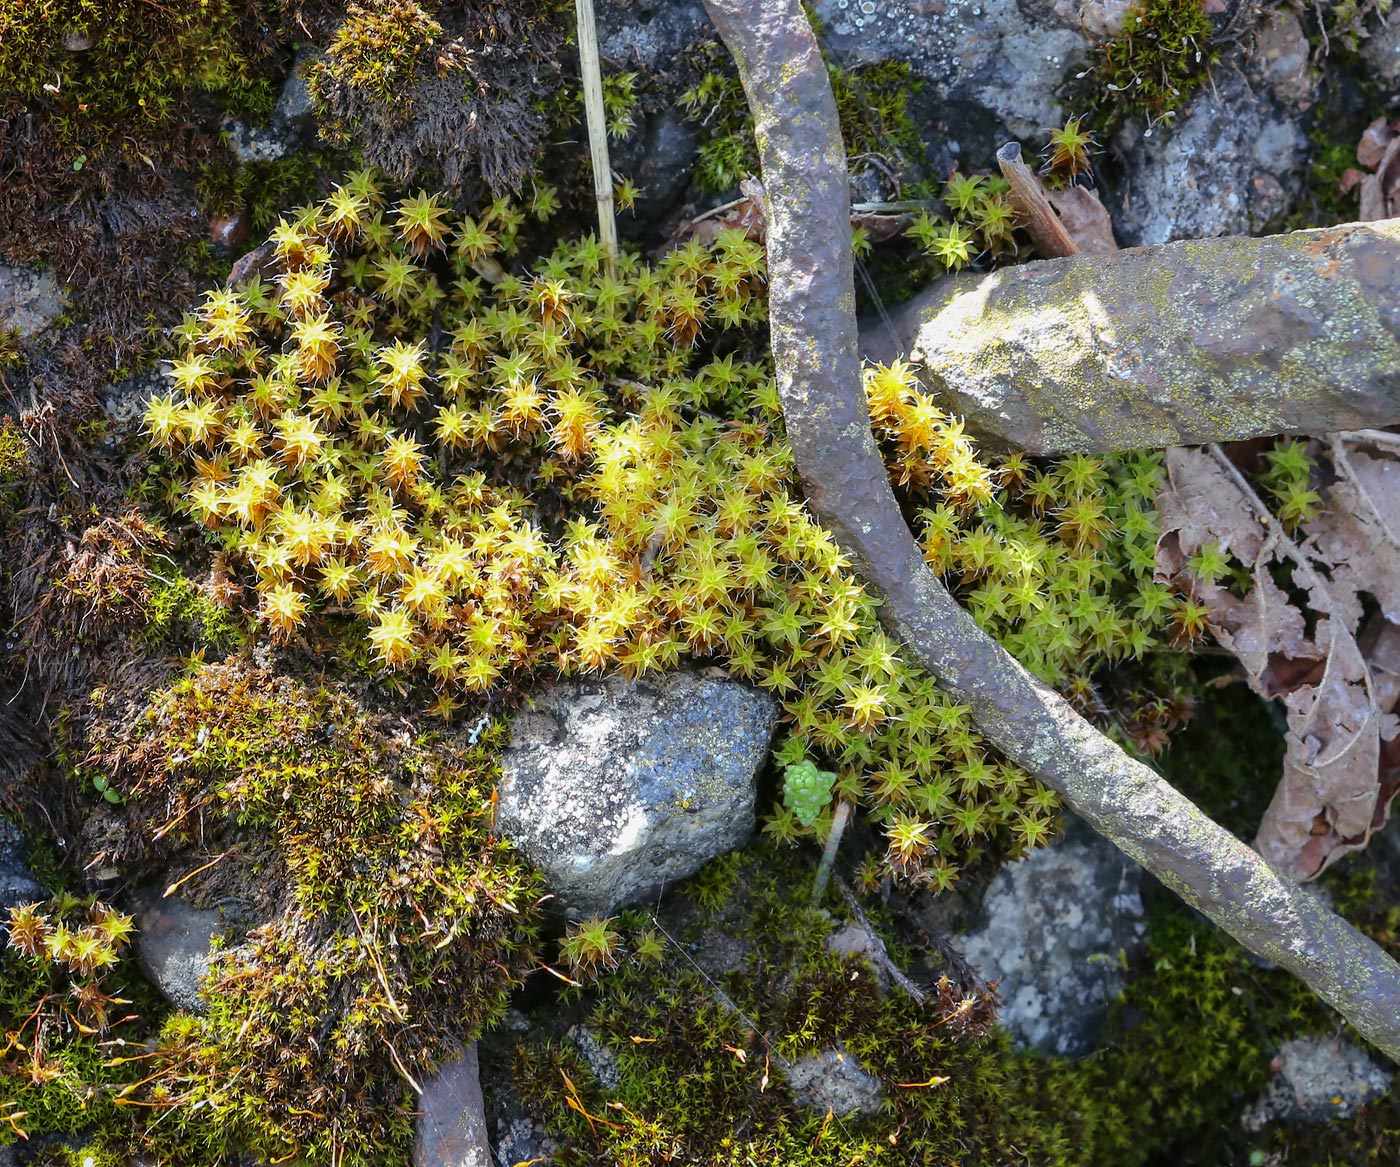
x=699 y=1045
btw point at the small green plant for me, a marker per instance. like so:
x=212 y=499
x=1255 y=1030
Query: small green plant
x=1289 y=479
x=807 y=790
x=620 y=103
x=1068 y=153
x=63 y=1016
x=591 y=947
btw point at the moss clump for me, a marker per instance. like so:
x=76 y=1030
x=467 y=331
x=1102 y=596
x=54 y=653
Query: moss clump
x=1160 y=56
x=872 y=102
x=454 y=94
x=100 y=66
x=177 y=612
x=350 y=473
x=13 y=448
x=398 y=921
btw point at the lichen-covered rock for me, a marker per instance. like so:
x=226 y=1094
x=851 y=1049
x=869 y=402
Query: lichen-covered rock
x=1172 y=345
x=981 y=69
x=451 y=1126
x=1283 y=58
x=1231 y=166
x=1057 y=926
x=29 y=300
x=519 y=1138
x=616 y=788
x=648 y=34
x=833 y=1080
x=17 y=883
x=1318 y=1079
x=173 y=944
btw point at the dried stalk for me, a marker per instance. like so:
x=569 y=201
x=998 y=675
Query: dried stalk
x=814 y=340
x=591 y=72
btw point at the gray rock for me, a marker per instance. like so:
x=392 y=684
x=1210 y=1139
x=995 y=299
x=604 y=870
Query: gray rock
x=173 y=945
x=1382 y=51
x=17 y=883
x=1008 y=57
x=658 y=158
x=1231 y=167
x=834 y=1081
x=29 y=300
x=1316 y=1080
x=1055 y=925
x=1282 y=58
x=616 y=788
x=986 y=68
x=125 y=402
x=853 y=942
x=294 y=110
x=519 y=1138
x=647 y=34
x=291 y=126
x=451 y=1127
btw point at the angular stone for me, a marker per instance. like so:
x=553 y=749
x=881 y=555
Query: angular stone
x=616 y=788
x=1004 y=58
x=1206 y=177
x=1196 y=341
x=1058 y=924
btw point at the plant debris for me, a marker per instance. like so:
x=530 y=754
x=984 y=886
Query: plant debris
x=1293 y=610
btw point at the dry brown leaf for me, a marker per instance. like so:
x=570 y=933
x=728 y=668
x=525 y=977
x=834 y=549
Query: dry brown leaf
x=1357 y=533
x=1085 y=218
x=1380 y=192
x=746 y=212
x=1378 y=151
x=1331 y=795
x=1374 y=141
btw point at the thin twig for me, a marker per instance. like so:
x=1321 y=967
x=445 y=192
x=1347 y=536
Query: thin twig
x=1371 y=437
x=967 y=978
x=878 y=953
x=839 y=820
